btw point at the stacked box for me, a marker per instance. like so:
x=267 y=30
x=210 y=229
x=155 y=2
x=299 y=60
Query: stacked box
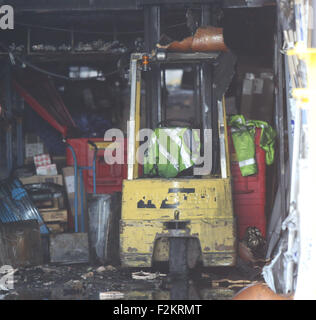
x=53 y=212
x=44 y=165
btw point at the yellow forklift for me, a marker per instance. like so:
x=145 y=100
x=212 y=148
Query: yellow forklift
x=185 y=220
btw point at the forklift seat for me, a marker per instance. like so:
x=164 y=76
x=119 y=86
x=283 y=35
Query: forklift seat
x=171 y=150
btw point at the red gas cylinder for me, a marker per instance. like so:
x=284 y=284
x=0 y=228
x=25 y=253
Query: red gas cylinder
x=249 y=193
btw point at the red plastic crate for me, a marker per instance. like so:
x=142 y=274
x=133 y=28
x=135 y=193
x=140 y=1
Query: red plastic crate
x=109 y=178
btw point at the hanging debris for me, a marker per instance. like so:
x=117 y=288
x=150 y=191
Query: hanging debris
x=204 y=40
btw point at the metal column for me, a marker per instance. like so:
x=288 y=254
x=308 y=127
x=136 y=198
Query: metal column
x=314 y=24
x=8 y=106
x=279 y=114
x=209 y=105
x=197 y=95
x=206 y=78
x=19 y=131
x=153 y=78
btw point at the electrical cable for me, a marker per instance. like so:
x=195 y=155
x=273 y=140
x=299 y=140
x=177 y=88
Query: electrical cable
x=91 y=32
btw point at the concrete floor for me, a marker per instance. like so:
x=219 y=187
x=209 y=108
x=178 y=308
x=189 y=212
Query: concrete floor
x=86 y=282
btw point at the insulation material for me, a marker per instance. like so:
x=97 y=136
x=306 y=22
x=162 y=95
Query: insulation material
x=204 y=40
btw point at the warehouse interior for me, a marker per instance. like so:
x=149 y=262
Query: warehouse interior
x=68 y=226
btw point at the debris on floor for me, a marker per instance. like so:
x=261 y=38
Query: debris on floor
x=111 y=295
x=255 y=241
x=84 y=282
x=75 y=285
x=101 y=269
x=147 y=275
x=228 y=283
x=107 y=268
x=87 y=275
x=252 y=248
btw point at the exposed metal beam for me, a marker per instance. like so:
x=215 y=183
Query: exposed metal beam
x=42 y=6
x=222 y=3
x=153 y=78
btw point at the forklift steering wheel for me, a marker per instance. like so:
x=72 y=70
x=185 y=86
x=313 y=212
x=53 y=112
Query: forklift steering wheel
x=168 y=123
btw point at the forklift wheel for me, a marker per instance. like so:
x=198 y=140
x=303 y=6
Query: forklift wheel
x=178 y=256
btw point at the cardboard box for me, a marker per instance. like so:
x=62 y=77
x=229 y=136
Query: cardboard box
x=47 y=170
x=58 y=179
x=33 y=145
x=247 y=95
x=60 y=161
x=264 y=99
x=42 y=160
x=69 y=181
x=33 y=149
x=257 y=93
x=54 y=216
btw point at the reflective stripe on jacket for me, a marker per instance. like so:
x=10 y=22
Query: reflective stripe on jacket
x=170 y=152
